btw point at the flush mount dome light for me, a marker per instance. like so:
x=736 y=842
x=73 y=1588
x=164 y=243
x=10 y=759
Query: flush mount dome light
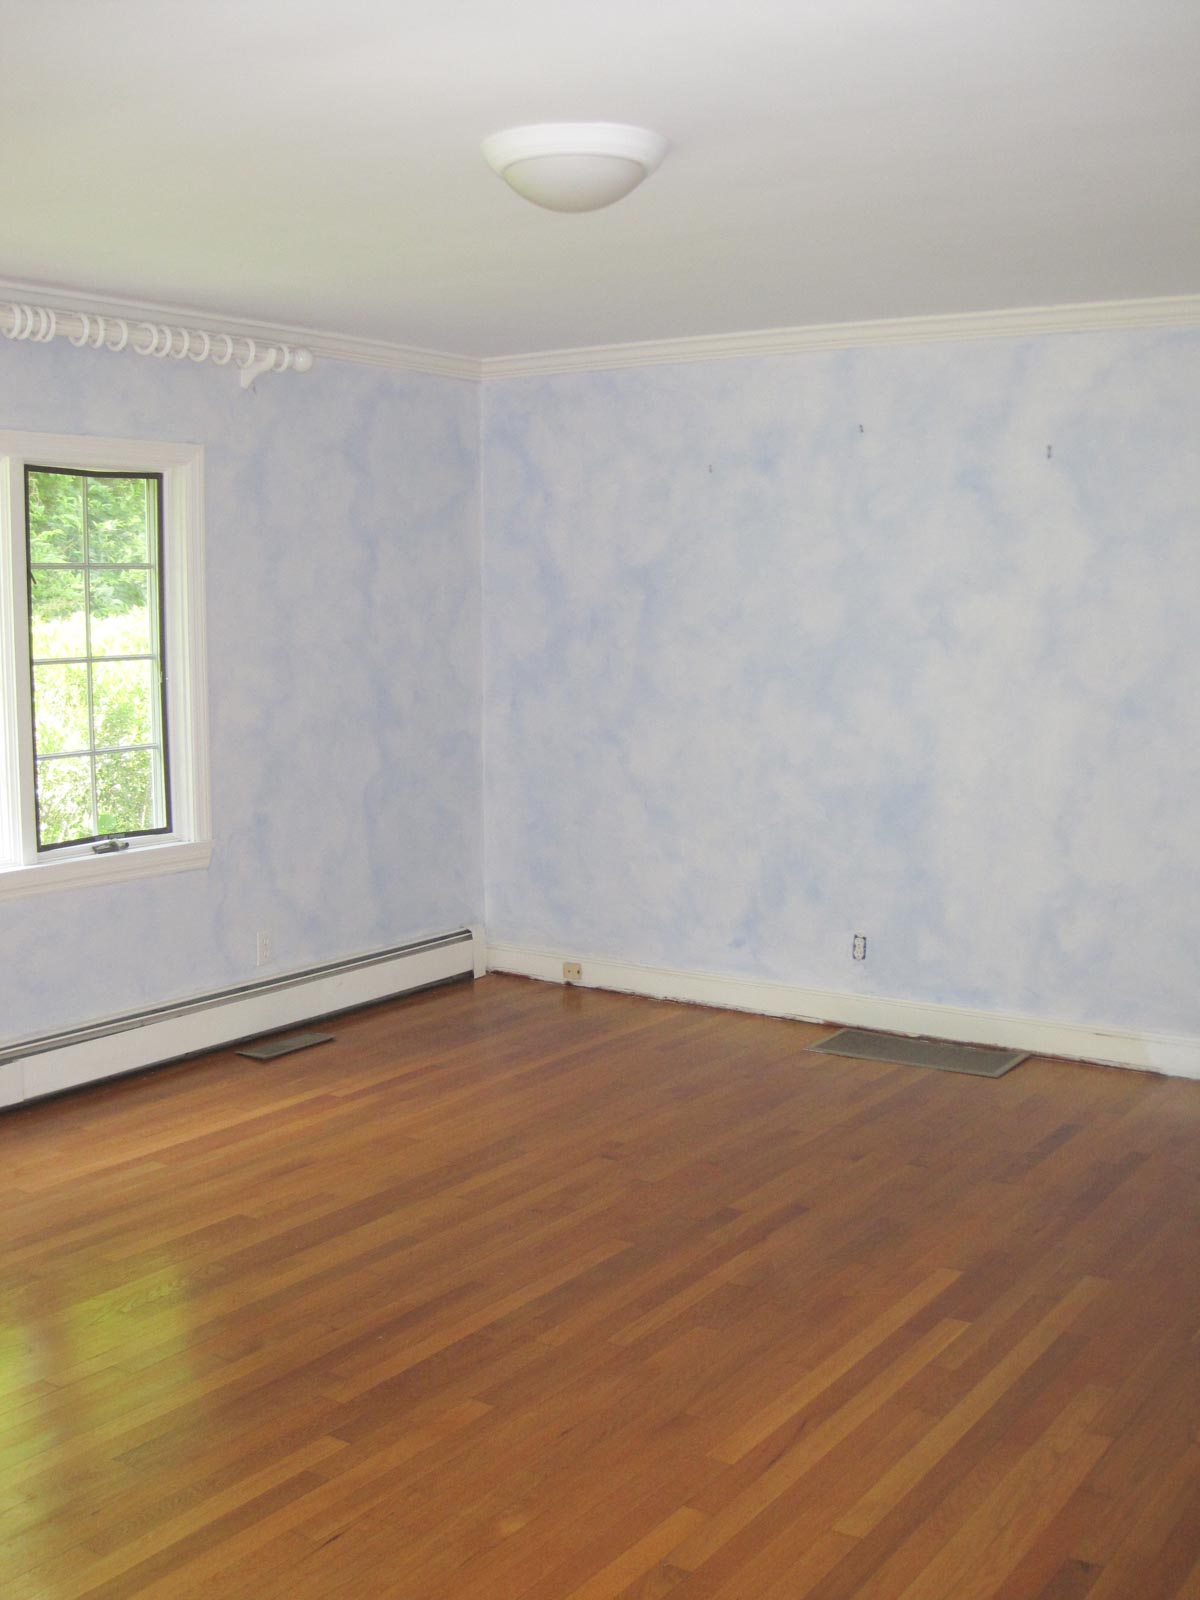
x=574 y=166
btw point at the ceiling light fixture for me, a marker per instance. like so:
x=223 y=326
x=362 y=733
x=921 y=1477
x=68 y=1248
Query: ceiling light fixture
x=574 y=166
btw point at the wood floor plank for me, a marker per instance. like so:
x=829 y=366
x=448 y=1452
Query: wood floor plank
x=814 y=1383
x=522 y=1293
x=884 y=1494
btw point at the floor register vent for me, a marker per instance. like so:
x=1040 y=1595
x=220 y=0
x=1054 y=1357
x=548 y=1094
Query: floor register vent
x=283 y=1044
x=981 y=1061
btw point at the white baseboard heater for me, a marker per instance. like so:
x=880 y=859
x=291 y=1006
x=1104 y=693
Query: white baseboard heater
x=52 y=1062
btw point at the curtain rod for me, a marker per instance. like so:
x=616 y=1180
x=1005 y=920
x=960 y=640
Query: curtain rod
x=40 y=324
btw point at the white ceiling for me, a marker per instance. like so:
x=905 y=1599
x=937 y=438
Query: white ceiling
x=833 y=160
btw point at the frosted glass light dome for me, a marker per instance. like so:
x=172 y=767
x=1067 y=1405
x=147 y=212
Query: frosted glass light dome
x=574 y=166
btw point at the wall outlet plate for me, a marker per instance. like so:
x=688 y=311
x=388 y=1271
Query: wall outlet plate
x=572 y=971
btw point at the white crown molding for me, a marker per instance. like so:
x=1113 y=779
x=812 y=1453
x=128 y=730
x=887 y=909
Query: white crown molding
x=330 y=346
x=1176 y=1055
x=1100 y=316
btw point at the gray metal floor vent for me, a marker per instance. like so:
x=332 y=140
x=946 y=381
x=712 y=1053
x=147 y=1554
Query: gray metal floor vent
x=283 y=1044
x=981 y=1061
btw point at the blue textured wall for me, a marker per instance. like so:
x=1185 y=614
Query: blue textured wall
x=343 y=632
x=778 y=650
x=782 y=649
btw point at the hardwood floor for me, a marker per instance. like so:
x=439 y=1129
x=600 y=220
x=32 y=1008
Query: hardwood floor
x=516 y=1291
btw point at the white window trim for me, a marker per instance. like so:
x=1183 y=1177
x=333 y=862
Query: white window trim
x=189 y=844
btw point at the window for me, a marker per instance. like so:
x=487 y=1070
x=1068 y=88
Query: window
x=94 y=545
x=102 y=707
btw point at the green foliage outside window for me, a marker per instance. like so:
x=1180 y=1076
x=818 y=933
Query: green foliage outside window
x=93 y=583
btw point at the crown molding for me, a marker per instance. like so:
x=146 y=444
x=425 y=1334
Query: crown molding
x=329 y=346
x=1099 y=316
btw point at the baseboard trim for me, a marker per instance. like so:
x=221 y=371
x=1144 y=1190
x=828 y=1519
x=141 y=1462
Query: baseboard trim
x=1175 y=1055
x=33 y=1068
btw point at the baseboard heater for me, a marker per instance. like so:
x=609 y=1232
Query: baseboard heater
x=52 y=1062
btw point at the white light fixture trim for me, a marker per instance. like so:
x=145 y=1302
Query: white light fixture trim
x=574 y=166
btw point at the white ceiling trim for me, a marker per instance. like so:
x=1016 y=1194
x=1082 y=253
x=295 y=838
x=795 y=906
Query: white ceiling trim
x=331 y=346
x=1178 y=311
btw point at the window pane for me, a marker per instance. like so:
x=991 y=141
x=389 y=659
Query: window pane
x=120 y=603
x=56 y=613
x=121 y=702
x=120 y=518
x=125 y=793
x=94 y=600
x=60 y=709
x=64 y=795
x=55 y=516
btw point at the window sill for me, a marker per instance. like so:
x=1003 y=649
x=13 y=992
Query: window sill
x=80 y=872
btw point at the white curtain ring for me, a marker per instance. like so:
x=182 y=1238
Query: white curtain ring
x=41 y=324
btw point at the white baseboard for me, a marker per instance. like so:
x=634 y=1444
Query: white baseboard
x=1177 y=1055
x=45 y=1066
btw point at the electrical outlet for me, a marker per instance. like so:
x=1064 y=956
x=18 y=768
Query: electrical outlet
x=265 y=950
x=572 y=971
x=859 y=947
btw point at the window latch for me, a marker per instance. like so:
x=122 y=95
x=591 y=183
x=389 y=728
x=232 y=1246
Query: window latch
x=107 y=846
